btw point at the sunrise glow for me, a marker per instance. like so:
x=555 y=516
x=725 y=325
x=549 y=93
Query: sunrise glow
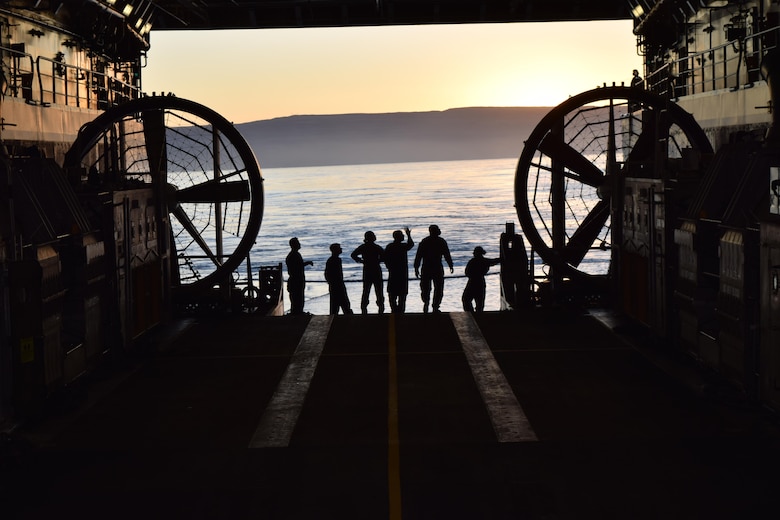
x=282 y=72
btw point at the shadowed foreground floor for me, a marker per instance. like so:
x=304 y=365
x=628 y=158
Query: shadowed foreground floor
x=542 y=414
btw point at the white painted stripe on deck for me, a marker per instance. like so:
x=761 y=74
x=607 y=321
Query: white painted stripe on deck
x=509 y=421
x=278 y=421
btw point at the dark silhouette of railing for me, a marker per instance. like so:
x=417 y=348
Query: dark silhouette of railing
x=45 y=81
x=732 y=65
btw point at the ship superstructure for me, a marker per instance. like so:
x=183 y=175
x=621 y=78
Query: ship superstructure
x=63 y=67
x=707 y=56
x=718 y=60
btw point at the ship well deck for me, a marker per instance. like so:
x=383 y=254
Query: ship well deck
x=546 y=413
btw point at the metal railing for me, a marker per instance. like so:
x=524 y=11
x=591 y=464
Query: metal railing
x=732 y=65
x=44 y=81
x=18 y=71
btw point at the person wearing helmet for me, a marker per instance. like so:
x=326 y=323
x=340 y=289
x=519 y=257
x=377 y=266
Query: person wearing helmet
x=476 y=269
x=370 y=255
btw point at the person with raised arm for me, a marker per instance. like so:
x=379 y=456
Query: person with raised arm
x=397 y=264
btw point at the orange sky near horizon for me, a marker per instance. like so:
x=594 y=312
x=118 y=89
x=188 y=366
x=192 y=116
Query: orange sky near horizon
x=249 y=75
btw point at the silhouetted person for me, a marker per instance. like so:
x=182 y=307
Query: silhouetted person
x=398 y=269
x=429 y=254
x=476 y=269
x=636 y=80
x=370 y=255
x=334 y=275
x=93 y=178
x=638 y=83
x=296 y=279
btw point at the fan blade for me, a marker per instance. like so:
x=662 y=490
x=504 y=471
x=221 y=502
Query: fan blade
x=215 y=191
x=582 y=239
x=187 y=224
x=586 y=172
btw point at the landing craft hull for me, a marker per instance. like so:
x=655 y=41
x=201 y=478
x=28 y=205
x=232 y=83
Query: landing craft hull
x=61 y=310
x=87 y=254
x=681 y=163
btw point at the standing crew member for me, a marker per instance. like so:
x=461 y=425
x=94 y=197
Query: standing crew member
x=296 y=279
x=638 y=83
x=397 y=265
x=636 y=79
x=370 y=255
x=429 y=254
x=334 y=275
x=476 y=270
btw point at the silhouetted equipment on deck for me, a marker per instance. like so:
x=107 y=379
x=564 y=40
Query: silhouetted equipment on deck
x=266 y=297
x=516 y=290
x=270 y=284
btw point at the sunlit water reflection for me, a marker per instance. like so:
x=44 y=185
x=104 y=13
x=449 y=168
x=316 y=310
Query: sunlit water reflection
x=471 y=201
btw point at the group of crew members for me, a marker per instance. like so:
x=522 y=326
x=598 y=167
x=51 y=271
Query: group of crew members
x=428 y=267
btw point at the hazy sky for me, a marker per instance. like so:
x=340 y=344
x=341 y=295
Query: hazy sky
x=249 y=75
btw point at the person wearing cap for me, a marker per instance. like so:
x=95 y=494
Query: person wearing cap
x=296 y=278
x=429 y=255
x=397 y=265
x=476 y=269
x=370 y=255
x=334 y=275
x=636 y=79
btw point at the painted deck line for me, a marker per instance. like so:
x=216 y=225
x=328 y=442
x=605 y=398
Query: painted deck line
x=509 y=421
x=393 y=440
x=281 y=415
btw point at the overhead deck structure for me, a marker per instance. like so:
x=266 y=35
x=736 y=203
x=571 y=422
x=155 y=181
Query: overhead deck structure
x=252 y=14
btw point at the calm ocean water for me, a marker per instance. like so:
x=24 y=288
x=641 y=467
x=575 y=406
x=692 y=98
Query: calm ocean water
x=471 y=201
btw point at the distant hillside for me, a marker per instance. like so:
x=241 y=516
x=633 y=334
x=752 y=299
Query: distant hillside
x=456 y=134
